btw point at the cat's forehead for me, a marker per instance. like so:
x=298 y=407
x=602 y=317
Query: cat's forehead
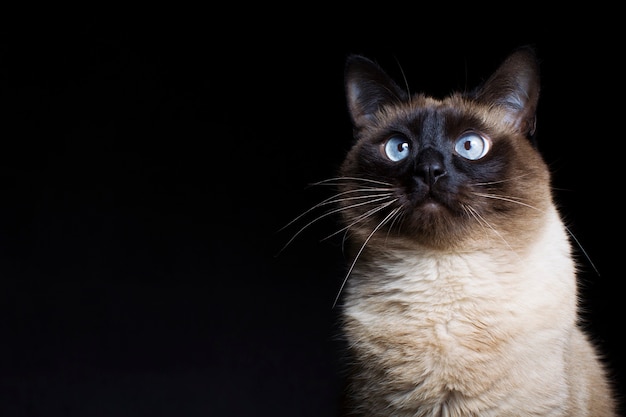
x=421 y=103
x=449 y=111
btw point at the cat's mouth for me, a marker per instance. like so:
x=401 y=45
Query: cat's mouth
x=430 y=205
x=431 y=210
x=430 y=201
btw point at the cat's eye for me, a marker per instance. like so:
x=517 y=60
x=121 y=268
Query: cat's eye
x=472 y=146
x=396 y=148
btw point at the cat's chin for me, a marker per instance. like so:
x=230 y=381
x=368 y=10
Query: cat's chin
x=431 y=206
x=435 y=224
x=432 y=209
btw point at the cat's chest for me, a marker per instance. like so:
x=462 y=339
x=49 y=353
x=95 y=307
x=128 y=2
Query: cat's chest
x=456 y=306
x=456 y=313
x=430 y=286
x=445 y=317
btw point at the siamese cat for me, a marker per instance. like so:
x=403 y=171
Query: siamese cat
x=460 y=297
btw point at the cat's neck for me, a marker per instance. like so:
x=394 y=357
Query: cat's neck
x=496 y=265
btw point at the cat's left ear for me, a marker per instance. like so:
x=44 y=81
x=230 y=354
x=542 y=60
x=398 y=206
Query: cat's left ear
x=514 y=86
x=368 y=89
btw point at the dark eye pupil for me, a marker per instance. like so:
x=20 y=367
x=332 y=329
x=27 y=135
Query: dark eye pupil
x=467 y=145
x=402 y=146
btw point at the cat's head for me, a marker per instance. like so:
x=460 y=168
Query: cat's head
x=444 y=172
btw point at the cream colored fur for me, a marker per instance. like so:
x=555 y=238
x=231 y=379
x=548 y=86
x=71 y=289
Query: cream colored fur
x=484 y=331
x=463 y=299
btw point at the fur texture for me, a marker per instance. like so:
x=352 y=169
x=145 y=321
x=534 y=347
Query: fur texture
x=462 y=300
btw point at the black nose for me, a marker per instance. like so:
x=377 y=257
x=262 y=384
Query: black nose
x=429 y=166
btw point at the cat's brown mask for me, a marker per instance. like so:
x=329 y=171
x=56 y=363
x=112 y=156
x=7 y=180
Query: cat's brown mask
x=444 y=172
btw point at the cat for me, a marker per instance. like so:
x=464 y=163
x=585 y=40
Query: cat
x=460 y=296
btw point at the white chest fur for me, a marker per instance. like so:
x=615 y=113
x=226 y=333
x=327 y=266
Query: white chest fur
x=464 y=330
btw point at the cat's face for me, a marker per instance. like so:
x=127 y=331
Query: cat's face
x=447 y=172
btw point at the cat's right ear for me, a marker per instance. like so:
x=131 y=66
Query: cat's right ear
x=368 y=88
x=514 y=86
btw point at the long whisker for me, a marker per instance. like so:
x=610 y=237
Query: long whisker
x=363 y=217
x=582 y=250
x=471 y=212
x=397 y=219
x=504 y=198
x=516 y=201
x=343 y=180
x=481 y=219
x=335 y=199
x=502 y=180
x=328 y=213
x=387 y=217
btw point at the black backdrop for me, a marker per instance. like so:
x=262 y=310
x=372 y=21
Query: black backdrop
x=148 y=163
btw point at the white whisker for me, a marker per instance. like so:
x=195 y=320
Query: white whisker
x=387 y=217
x=362 y=217
x=517 y=201
x=335 y=199
x=396 y=219
x=505 y=198
x=328 y=213
x=503 y=180
x=582 y=250
x=482 y=220
x=343 y=180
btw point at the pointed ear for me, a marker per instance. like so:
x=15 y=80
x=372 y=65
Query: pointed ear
x=368 y=88
x=515 y=87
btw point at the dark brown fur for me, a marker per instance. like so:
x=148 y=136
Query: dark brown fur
x=461 y=299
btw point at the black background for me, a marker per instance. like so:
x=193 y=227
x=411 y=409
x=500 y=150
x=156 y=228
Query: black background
x=149 y=161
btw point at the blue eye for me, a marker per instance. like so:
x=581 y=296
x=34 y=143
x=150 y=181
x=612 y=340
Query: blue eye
x=396 y=148
x=472 y=146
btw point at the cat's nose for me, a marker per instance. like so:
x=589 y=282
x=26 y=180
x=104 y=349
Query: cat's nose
x=429 y=166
